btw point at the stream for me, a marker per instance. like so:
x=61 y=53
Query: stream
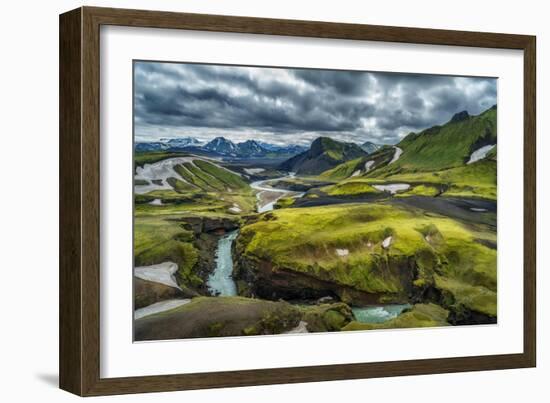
x=220 y=282
x=267 y=196
x=378 y=313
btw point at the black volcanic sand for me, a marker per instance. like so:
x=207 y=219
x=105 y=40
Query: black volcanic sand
x=323 y=200
x=454 y=207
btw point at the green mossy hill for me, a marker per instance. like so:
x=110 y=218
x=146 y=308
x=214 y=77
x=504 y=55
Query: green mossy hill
x=219 y=316
x=324 y=154
x=210 y=177
x=200 y=187
x=284 y=202
x=420 y=315
x=443 y=147
x=360 y=166
x=217 y=204
x=343 y=245
x=158 y=240
x=474 y=180
x=350 y=187
x=421 y=190
x=345 y=170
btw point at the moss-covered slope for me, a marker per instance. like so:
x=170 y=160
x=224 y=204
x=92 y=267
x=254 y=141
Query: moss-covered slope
x=376 y=250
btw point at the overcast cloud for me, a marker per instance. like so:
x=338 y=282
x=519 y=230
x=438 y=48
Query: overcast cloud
x=294 y=106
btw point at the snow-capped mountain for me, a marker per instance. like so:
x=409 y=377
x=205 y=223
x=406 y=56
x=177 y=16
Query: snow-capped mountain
x=251 y=148
x=221 y=145
x=184 y=142
x=151 y=146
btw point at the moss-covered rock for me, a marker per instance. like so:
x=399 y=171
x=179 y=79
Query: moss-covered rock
x=219 y=316
x=420 y=315
x=284 y=202
x=327 y=317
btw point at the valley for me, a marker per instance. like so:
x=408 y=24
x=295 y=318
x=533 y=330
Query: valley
x=251 y=238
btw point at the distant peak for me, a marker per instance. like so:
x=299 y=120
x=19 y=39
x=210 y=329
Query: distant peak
x=460 y=116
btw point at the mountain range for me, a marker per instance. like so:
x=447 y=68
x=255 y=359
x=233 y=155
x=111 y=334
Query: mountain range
x=220 y=146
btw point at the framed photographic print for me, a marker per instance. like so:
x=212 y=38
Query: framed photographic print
x=250 y=201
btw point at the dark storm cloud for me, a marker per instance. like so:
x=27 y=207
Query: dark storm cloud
x=296 y=105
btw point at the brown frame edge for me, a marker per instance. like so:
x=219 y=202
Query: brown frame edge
x=79 y=201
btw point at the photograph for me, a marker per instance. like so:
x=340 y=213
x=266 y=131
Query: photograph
x=285 y=200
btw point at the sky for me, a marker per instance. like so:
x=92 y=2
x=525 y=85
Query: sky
x=294 y=106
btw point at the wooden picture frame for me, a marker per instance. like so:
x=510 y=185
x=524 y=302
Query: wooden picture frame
x=80 y=200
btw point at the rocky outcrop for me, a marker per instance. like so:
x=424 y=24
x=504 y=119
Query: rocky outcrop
x=327 y=317
x=259 y=278
x=206 y=244
x=149 y=292
x=201 y=224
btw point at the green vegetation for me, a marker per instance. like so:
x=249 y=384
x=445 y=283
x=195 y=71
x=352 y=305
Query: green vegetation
x=284 y=202
x=344 y=170
x=442 y=147
x=440 y=256
x=352 y=187
x=420 y=190
x=199 y=187
x=230 y=179
x=180 y=186
x=476 y=298
x=420 y=315
x=307 y=240
x=157 y=240
x=475 y=180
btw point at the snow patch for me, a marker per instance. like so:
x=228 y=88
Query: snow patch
x=393 y=188
x=253 y=171
x=235 y=208
x=396 y=155
x=480 y=153
x=342 y=252
x=158 y=307
x=368 y=165
x=162 y=170
x=356 y=173
x=162 y=273
x=387 y=242
x=156 y=202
